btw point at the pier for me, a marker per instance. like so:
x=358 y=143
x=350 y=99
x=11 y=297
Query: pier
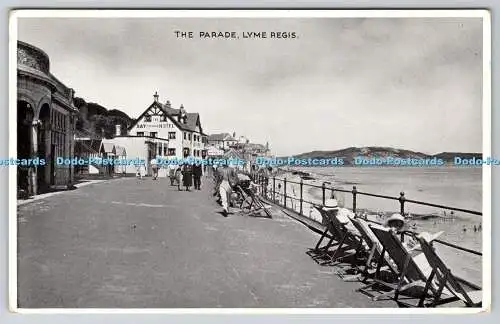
x=130 y=243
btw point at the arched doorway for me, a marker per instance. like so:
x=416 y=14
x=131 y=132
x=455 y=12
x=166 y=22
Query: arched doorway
x=25 y=116
x=43 y=171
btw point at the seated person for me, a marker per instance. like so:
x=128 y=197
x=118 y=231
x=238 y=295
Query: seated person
x=343 y=215
x=397 y=223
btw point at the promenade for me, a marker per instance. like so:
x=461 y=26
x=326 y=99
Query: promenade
x=129 y=243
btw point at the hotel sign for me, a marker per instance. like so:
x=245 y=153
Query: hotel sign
x=155 y=125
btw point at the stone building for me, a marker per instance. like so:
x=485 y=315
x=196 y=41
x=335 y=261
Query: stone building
x=46 y=119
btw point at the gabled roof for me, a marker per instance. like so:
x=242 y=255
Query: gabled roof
x=108 y=148
x=192 y=120
x=255 y=146
x=231 y=153
x=221 y=137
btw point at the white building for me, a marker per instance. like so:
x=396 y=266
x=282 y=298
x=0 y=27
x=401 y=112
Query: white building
x=222 y=141
x=162 y=131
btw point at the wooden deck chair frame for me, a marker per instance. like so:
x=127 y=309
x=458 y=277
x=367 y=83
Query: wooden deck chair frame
x=349 y=239
x=345 y=240
x=322 y=252
x=445 y=279
x=253 y=202
x=410 y=274
x=375 y=251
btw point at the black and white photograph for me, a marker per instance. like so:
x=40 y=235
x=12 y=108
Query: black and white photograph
x=330 y=161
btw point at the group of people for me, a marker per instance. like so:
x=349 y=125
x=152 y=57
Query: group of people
x=187 y=175
x=396 y=223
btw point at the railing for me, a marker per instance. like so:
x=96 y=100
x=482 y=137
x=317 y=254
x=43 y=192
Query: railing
x=265 y=182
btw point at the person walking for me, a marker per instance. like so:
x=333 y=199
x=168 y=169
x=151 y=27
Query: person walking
x=178 y=176
x=154 y=168
x=227 y=179
x=171 y=173
x=187 y=176
x=197 y=173
x=139 y=167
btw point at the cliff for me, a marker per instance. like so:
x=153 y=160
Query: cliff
x=98 y=120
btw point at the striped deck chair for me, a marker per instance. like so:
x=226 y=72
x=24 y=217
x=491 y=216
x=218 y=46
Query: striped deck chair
x=445 y=279
x=412 y=270
x=375 y=250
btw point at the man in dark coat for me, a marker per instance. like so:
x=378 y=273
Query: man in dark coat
x=187 y=176
x=197 y=173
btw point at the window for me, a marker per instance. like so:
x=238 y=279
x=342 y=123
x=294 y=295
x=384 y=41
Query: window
x=140 y=133
x=159 y=150
x=164 y=118
x=165 y=150
x=147 y=118
x=185 y=137
x=171 y=151
x=58 y=134
x=153 y=134
x=189 y=136
x=171 y=135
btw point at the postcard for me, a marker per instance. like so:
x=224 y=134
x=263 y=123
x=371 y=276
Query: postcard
x=250 y=161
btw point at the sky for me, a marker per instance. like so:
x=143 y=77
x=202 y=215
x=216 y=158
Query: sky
x=412 y=83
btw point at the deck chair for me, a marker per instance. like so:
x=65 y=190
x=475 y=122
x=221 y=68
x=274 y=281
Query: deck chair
x=350 y=240
x=322 y=252
x=412 y=270
x=445 y=279
x=374 y=260
x=348 y=243
x=251 y=203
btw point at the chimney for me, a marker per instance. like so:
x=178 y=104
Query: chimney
x=167 y=104
x=156 y=96
x=182 y=113
x=118 y=128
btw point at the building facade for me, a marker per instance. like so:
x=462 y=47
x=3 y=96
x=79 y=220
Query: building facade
x=161 y=131
x=46 y=119
x=222 y=141
x=182 y=130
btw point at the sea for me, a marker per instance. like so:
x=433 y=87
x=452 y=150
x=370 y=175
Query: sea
x=459 y=187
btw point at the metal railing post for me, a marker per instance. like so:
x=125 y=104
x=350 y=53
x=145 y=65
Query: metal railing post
x=301 y=186
x=323 y=189
x=284 y=192
x=354 y=202
x=402 y=203
x=274 y=189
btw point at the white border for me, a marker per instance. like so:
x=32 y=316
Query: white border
x=129 y=13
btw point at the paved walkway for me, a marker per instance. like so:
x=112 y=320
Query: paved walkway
x=140 y=243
